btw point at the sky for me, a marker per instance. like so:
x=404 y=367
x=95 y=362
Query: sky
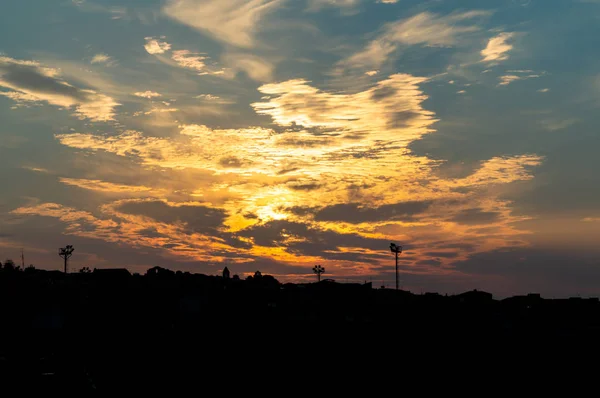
x=276 y=135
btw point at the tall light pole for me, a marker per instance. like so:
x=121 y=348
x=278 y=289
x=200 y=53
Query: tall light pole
x=66 y=253
x=397 y=250
x=317 y=269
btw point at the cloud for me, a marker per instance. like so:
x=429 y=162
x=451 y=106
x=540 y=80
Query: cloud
x=256 y=68
x=544 y=90
x=178 y=229
x=371 y=72
x=422 y=29
x=195 y=217
x=102 y=59
x=475 y=216
x=147 y=94
x=392 y=104
x=347 y=5
x=156 y=46
x=196 y=62
x=234 y=22
x=109 y=187
x=331 y=182
x=209 y=97
x=516 y=75
x=339 y=3
x=187 y=59
x=32 y=82
x=356 y=213
x=555 y=125
x=497 y=48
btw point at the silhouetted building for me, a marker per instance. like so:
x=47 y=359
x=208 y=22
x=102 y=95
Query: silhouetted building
x=226 y=273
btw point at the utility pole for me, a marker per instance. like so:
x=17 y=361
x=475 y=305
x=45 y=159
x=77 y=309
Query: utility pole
x=22 y=260
x=396 y=250
x=66 y=253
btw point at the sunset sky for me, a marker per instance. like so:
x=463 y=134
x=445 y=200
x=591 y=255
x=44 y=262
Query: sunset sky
x=275 y=135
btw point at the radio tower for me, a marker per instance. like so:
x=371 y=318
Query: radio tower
x=66 y=253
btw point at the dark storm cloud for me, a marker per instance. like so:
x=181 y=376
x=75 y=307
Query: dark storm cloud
x=475 y=216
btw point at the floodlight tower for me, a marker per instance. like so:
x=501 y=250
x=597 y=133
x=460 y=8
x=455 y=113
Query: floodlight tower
x=66 y=253
x=396 y=250
x=317 y=269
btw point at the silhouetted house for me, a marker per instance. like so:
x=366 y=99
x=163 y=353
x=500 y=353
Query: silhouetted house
x=226 y=273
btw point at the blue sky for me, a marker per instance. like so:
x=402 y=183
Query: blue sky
x=280 y=134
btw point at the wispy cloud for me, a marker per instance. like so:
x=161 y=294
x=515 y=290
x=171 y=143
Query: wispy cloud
x=147 y=94
x=422 y=29
x=156 y=46
x=109 y=187
x=235 y=22
x=498 y=47
x=348 y=6
x=196 y=62
x=187 y=59
x=555 y=125
x=102 y=59
x=517 y=75
x=255 y=67
x=29 y=81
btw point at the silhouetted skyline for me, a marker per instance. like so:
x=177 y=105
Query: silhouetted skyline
x=280 y=135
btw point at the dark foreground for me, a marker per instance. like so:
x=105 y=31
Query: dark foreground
x=107 y=333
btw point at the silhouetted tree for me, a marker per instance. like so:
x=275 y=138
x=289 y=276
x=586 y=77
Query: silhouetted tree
x=9 y=265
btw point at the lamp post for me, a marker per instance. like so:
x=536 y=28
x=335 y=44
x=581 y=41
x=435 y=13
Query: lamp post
x=317 y=269
x=66 y=253
x=396 y=250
